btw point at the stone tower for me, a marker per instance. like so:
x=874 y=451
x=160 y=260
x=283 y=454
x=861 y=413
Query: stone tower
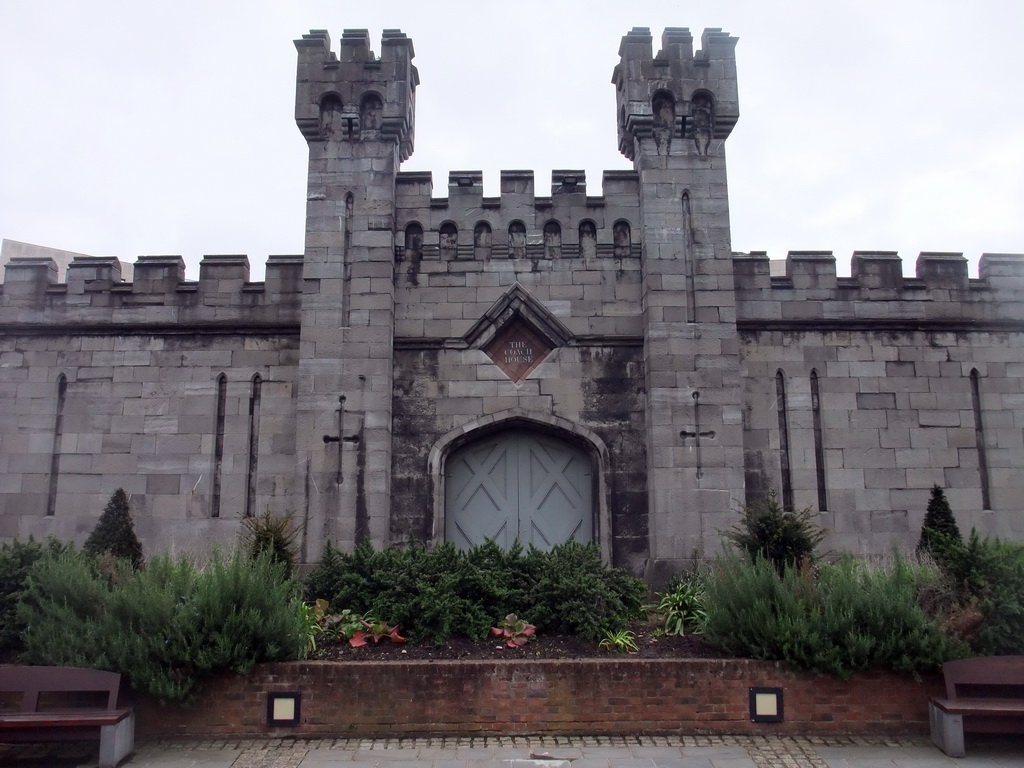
x=357 y=113
x=675 y=111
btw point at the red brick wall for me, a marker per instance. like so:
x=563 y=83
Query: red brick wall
x=605 y=696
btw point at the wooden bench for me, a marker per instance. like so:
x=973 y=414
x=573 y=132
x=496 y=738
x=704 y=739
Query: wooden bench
x=60 y=717
x=983 y=695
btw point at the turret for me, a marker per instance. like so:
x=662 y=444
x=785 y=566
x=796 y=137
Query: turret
x=357 y=113
x=678 y=97
x=356 y=96
x=674 y=111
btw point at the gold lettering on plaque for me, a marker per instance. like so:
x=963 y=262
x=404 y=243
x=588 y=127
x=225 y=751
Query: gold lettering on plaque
x=517 y=349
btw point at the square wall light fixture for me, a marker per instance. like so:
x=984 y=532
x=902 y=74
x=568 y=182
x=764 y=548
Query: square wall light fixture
x=766 y=705
x=284 y=708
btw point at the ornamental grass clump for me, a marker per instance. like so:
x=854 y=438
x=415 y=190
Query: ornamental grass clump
x=681 y=607
x=275 y=536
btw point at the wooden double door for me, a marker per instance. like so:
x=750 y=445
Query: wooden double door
x=519 y=485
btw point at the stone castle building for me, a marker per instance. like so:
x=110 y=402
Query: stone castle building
x=441 y=365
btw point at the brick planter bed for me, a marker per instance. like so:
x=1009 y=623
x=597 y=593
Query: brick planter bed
x=592 y=696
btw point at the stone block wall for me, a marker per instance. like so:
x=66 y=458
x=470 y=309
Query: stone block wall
x=919 y=385
x=109 y=384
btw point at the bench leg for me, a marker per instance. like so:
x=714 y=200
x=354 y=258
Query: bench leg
x=117 y=742
x=947 y=731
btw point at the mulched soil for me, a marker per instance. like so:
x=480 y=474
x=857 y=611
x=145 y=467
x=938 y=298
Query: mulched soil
x=541 y=646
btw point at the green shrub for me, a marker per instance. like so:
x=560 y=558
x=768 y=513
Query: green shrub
x=847 y=617
x=783 y=537
x=435 y=594
x=576 y=593
x=16 y=558
x=165 y=627
x=115 y=533
x=989 y=573
x=63 y=609
x=432 y=594
x=939 y=529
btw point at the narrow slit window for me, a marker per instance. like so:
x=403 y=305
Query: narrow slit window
x=58 y=433
x=784 y=464
x=254 y=445
x=218 y=444
x=346 y=260
x=979 y=439
x=688 y=259
x=819 y=447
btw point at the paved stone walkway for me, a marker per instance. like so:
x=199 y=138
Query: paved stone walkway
x=540 y=752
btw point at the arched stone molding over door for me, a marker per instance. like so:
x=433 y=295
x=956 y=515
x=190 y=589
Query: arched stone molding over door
x=526 y=475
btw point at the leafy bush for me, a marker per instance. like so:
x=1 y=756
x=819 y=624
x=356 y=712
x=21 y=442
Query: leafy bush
x=435 y=594
x=848 y=617
x=16 y=558
x=939 y=529
x=115 y=532
x=165 y=627
x=783 y=537
x=273 y=535
x=988 y=574
x=575 y=593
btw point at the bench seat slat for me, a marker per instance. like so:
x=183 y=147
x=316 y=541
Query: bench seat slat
x=63 y=719
x=981 y=706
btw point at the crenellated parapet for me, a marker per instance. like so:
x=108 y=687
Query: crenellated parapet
x=465 y=225
x=94 y=294
x=354 y=96
x=677 y=96
x=877 y=292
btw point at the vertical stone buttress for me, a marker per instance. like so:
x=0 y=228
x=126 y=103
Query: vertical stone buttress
x=675 y=111
x=357 y=114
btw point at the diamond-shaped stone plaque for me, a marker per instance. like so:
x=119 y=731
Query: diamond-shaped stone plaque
x=517 y=349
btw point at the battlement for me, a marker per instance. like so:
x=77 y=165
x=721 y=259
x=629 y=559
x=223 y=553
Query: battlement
x=518 y=223
x=877 y=290
x=678 y=93
x=94 y=293
x=517 y=184
x=355 y=96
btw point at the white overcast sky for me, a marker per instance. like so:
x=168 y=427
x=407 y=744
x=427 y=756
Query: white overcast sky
x=132 y=127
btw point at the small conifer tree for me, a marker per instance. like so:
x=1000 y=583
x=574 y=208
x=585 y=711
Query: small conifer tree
x=784 y=537
x=115 y=533
x=939 y=529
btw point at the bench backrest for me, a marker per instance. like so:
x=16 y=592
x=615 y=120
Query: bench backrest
x=985 y=670
x=31 y=681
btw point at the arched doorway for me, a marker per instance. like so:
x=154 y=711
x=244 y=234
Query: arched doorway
x=519 y=484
